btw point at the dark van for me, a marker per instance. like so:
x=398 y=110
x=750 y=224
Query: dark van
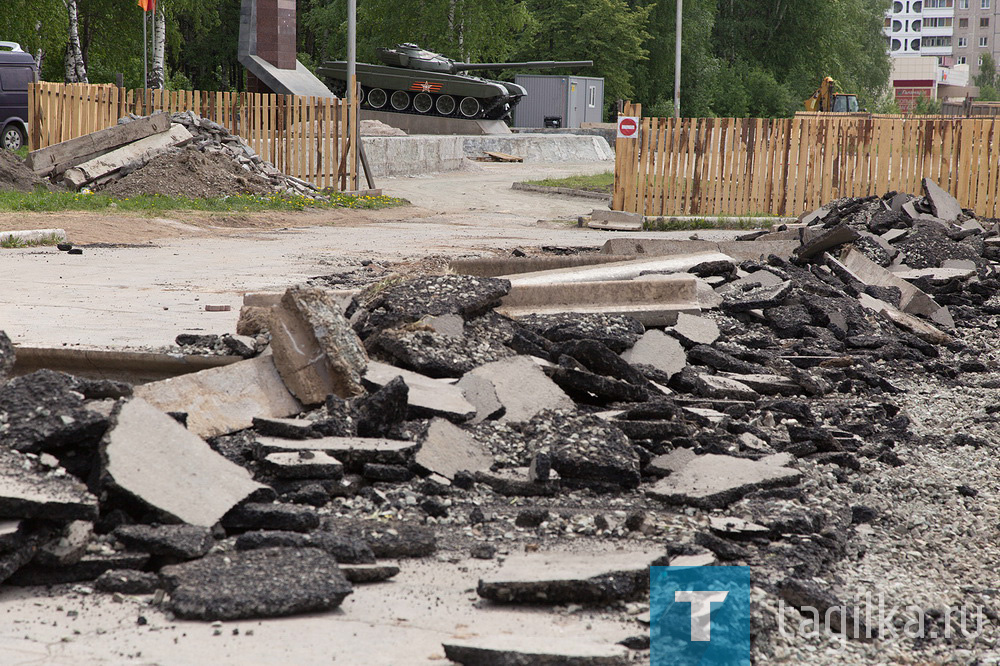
x=17 y=70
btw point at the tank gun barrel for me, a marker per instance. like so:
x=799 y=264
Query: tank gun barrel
x=535 y=64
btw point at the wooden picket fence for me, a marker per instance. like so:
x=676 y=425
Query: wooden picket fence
x=752 y=166
x=306 y=137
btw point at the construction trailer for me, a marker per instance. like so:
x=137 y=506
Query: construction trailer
x=559 y=101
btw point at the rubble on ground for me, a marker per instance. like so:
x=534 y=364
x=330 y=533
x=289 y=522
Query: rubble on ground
x=181 y=155
x=749 y=433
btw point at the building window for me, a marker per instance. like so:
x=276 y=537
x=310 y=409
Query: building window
x=963 y=4
x=963 y=42
x=960 y=60
x=937 y=41
x=962 y=23
x=944 y=4
x=984 y=4
x=984 y=22
x=982 y=42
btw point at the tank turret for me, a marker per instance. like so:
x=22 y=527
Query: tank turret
x=413 y=80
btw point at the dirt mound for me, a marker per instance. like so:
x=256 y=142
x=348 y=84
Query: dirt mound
x=14 y=175
x=189 y=173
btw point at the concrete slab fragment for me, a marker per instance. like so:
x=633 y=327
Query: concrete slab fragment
x=522 y=388
x=481 y=393
x=353 y=451
x=766 y=384
x=315 y=349
x=913 y=301
x=936 y=275
x=303 y=465
x=557 y=577
x=617 y=271
x=652 y=302
x=447 y=450
x=942 y=203
x=895 y=234
x=548 y=651
x=29 y=489
x=918 y=327
x=659 y=350
x=223 y=400
x=714 y=481
x=152 y=457
x=738 y=250
x=669 y=463
x=695 y=330
x=713 y=386
x=427 y=397
x=69 y=547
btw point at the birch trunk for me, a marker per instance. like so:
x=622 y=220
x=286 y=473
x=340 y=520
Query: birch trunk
x=40 y=53
x=157 y=77
x=76 y=69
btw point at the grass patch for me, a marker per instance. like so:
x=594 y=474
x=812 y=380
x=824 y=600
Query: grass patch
x=600 y=182
x=10 y=242
x=674 y=224
x=42 y=201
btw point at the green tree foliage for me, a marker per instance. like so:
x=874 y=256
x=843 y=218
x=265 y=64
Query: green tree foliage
x=740 y=57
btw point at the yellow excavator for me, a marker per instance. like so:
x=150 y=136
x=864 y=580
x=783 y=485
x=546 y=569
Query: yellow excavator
x=827 y=99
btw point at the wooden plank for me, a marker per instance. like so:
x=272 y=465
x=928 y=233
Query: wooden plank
x=713 y=175
x=963 y=161
x=672 y=169
x=982 y=164
x=142 y=149
x=60 y=156
x=989 y=205
x=642 y=157
x=662 y=156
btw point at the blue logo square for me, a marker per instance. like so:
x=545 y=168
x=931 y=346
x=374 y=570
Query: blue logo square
x=700 y=616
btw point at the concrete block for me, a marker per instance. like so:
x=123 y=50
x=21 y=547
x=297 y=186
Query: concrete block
x=152 y=457
x=368 y=573
x=652 y=302
x=560 y=577
x=315 y=349
x=29 y=489
x=507 y=650
x=427 y=396
x=33 y=235
x=495 y=267
x=659 y=350
x=522 y=388
x=631 y=225
x=137 y=151
x=447 y=449
x=670 y=463
x=226 y=399
x=714 y=481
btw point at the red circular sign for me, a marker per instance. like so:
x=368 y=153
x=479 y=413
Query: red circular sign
x=627 y=126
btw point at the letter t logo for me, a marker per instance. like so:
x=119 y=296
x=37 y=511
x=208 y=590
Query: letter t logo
x=701 y=610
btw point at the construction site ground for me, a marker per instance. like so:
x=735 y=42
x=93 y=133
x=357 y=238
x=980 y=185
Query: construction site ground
x=143 y=280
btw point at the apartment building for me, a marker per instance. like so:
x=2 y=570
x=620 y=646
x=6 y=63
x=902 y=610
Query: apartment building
x=922 y=27
x=933 y=46
x=975 y=32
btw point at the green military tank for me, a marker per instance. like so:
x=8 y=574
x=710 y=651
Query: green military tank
x=412 y=80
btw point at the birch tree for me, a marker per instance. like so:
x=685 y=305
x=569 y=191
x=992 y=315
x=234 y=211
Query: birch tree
x=157 y=75
x=76 y=69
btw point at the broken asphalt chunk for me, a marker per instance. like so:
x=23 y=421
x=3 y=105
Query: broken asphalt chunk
x=43 y=411
x=559 y=578
x=714 y=481
x=29 y=489
x=148 y=455
x=180 y=542
x=315 y=349
x=346 y=549
x=270 y=582
x=353 y=452
x=427 y=397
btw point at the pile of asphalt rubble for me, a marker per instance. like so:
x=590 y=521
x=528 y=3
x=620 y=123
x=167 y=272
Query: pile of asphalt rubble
x=433 y=425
